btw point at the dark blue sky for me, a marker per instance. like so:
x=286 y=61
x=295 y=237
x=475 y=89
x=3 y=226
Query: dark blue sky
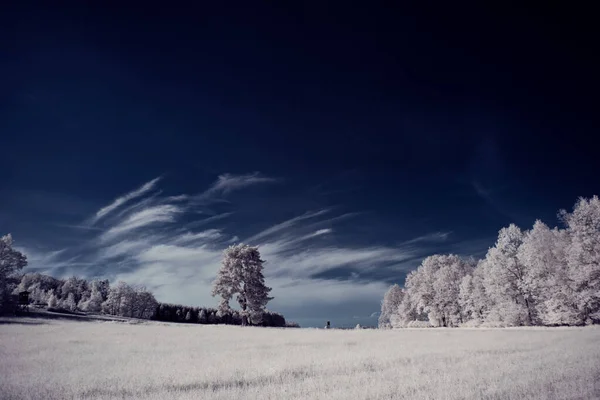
x=369 y=138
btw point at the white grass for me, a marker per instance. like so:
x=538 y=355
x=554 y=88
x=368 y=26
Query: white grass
x=110 y=360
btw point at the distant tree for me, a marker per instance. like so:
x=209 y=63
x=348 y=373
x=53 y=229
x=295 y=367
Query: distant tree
x=505 y=281
x=52 y=300
x=472 y=298
x=11 y=261
x=188 y=316
x=94 y=303
x=44 y=282
x=77 y=286
x=546 y=280
x=212 y=318
x=144 y=303
x=202 y=317
x=241 y=273
x=435 y=286
x=120 y=300
x=69 y=303
x=541 y=276
x=389 y=305
x=583 y=257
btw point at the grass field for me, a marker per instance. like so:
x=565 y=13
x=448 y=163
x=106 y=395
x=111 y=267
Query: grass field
x=54 y=359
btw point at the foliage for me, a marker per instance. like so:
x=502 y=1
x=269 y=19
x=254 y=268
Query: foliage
x=538 y=277
x=241 y=274
x=11 y=261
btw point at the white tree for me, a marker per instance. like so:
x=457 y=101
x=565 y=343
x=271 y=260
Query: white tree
x=435 y=286
x=69 y=303
x=583 y=256
x=11 y=261
x=94 y=303
x=145 y=303
x=77 y=286
x=406 y=313
x=472 y=298
x=52 y=300
x=512 y=302
x=120 y=300
x=546 y=275
x=241 y=273
x=389 y=305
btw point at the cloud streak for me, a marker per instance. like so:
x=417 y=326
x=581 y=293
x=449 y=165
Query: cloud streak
x=430 y=237
x=285 y=225
x=227 y=183
x=149 y=216
x=119 y=201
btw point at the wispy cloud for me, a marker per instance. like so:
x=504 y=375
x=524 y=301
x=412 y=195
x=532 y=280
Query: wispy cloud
x=285 y=225
x=227 y=183
x=190 y=237
x=481 y=190
x=306 y=263
x=430 y=237
x=208 y=220
x=320 y=232
x=233 y=239
x=48 y=261
x=79 y=227
x=145 y=188
x=152 y=215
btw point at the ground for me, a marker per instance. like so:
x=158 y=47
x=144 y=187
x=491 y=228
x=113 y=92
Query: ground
x=70 y=359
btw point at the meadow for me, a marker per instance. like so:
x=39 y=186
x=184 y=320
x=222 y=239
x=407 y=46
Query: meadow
x=57 y=359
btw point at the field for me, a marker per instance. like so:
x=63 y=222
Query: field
x=55 y=359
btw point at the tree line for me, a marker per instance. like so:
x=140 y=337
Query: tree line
x=241 y=274
x=202 y=315
x=97 y=296
x=541 y=276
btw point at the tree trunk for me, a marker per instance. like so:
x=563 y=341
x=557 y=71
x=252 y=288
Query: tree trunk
x=528 y=312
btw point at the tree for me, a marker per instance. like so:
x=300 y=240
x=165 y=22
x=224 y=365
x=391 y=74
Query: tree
x=77 y=286
x=583 y=256
x=472 y=298
x=11 y=261
x=52 y=300
x=120 y=300
x=94 y=303
x=505 y=281
x=543 y=255
x=241 y=273
x=389 y=305
x=145 y=303
x=406 y=313
x=435 y=286
x=69 y=303
x=202 y=316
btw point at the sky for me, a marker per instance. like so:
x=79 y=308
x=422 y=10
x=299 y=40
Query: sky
x=348 y=144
